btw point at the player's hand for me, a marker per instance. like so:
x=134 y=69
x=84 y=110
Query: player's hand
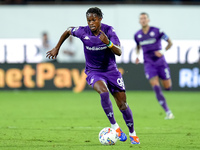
x=158 y=54
x=137 y=61
x=103 y=37
x=52 y=54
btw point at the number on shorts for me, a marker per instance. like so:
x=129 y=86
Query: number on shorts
x=167 y=73
x=121 y=82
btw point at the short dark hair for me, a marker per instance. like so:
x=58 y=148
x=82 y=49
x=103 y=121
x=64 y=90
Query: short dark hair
x=95 y=10
x=144 y=13
x=44 y=33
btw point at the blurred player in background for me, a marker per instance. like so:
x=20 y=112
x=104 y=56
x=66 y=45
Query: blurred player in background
x=155 y=66
x=69 y=53
x=101 y=44
x=46 y=45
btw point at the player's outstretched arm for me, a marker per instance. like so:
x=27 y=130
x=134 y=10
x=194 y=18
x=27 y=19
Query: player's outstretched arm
x=54 y=52
x=160 y=53
x=114 y=48
x=169 y=44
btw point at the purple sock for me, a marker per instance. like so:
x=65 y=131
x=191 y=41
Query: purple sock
x=128 y=117
x=160 y=97
x=107 y=106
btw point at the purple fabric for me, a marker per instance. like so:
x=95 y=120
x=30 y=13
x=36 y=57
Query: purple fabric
x=107 y=107
x=162 y=70
x=150 y=43
x=97 y=55
x=161 y=98
x=128 y=118
x=113 y=80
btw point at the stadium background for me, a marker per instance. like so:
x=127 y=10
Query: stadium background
x=22 y=26
x=47 y=105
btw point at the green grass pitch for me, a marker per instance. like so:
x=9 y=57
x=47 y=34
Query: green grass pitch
x=62 y=120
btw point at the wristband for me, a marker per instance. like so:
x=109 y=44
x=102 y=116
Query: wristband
x=110 y=45
x=162 y=51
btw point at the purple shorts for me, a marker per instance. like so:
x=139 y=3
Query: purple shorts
x=113 y=80
x=161 y=70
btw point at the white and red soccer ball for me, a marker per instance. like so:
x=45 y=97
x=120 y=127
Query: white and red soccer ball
x=108 y=136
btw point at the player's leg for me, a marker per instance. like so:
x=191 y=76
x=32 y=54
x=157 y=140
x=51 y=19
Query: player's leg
x=98 y=82
x=120 y=98
x=167 y=84
x=101 y=87
x=117 y=88
x=154 y=81
x=164 y=74
x=153 y=73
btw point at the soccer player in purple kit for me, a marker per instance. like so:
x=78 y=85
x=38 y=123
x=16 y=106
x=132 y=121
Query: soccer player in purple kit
x=101 y=44
x=155 y=66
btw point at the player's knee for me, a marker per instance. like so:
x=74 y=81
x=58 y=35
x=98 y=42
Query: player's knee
x=102 y=89
x=168 y=88
x=122 y=106
x=154 y=82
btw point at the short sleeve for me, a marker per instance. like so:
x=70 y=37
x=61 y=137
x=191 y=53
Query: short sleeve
x=113 y=36
x=135 y=38
x=163 y=35
x=77 y=31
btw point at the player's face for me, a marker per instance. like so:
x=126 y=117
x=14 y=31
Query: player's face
x=144 y=20
x=94 y=22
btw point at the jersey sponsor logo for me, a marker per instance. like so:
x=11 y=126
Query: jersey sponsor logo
x=149 y=41
x=120 y=82
x=86 y=38
x=152 y=34
x=94 y=48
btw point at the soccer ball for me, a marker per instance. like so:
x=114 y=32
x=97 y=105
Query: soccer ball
x=108 y=136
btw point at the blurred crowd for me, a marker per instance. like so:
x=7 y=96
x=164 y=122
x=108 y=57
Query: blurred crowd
x=15 y=2
x=69 y=52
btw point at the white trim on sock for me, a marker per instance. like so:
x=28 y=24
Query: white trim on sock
x=132 y=134
x=115 y=126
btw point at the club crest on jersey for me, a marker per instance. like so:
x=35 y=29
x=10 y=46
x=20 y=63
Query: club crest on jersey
x=152 y=34
x=139 y=36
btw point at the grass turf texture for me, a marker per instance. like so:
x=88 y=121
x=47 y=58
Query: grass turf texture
x=67 y=121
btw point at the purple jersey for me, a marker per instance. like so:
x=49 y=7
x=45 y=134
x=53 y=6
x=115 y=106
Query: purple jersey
x=98 y=56
x=150 y=43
